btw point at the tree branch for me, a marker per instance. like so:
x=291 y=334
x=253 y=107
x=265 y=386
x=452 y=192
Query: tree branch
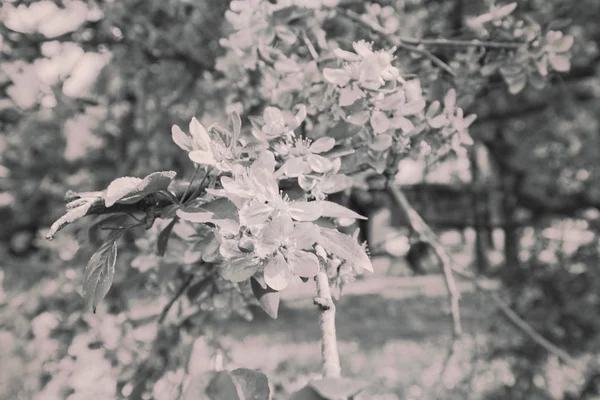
x=515 y=319
x=423 y=230
x=329 y=351
x=426 y=234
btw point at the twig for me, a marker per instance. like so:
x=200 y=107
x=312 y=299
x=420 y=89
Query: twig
x=516 y=320
x=462 y=43
x=329 y=351
x=179 y=293
x=426 y=234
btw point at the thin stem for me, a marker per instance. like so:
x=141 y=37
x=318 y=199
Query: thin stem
x=329 y=351
x=179 y=293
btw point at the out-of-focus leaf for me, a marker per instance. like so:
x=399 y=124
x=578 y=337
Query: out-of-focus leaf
x=223 y=387
x=267 y=297
x=252 y=384
x=338 y=388
x=163 y=238
x=99 y=273
x=307 y=393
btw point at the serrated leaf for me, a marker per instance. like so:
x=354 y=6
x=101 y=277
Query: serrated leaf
x=163 y=238
x=267 y=297
x=120 y=188
x=338 y=388
x=344 y=247
x=128 y=190
x=335 y=210
x=222 y=386
x=99 y=274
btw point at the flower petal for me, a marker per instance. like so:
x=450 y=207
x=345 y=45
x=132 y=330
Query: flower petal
x=322 y=145
x=203 y=157
x=278 y=229
x=277 y=273
x=199 y=135
x=240 y=269
x=319 y=163
x=255 y=214
x=303 y=264
x=180 y=138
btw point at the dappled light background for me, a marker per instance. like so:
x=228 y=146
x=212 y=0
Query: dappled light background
x=89 y=91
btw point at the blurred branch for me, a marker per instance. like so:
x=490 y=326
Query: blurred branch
x=426 y=234
x=177 y=295
x=516 y=320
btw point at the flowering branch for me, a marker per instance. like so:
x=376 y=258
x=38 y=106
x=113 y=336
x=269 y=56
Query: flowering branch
x=395 y=41
x=329 y=351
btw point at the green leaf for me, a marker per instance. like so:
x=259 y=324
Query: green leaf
x=99 y=273
x=344 y=247
x=307 y=393
x=163 y=238
x=335 y=210
x=129 y=190
x=71 y=216
x=338 y=388
x=305 y=211
x=381 y=142
x=344 y=130
x=222 y=386
x=252 y=384
x=267 y=297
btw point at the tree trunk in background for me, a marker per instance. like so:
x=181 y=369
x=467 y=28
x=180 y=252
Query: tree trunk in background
x=480 y=214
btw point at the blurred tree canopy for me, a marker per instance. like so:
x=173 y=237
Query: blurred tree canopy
x=89 y=91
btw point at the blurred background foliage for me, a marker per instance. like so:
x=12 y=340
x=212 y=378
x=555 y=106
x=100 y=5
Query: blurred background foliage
x=89 y=91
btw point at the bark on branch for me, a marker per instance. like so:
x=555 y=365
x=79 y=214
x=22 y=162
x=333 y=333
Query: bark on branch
x=329 y=351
